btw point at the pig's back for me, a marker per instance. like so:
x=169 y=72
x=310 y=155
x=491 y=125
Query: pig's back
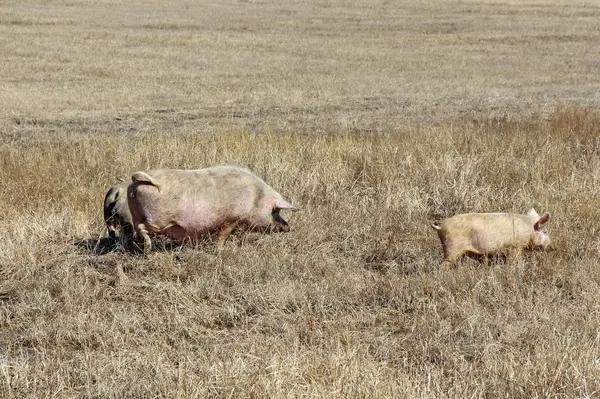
x=199 y=200
x=489 y=232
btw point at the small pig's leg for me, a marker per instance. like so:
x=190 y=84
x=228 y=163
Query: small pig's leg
x=452 y=254
x=224 y=232
x=513 y=255
x=485 y=260
x=141 y=229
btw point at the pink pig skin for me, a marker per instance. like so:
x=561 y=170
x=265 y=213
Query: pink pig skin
x=188 y=204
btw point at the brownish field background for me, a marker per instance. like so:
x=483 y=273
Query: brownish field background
x=374 y=118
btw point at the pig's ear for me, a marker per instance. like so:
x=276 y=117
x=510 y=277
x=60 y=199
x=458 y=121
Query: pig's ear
x=533 y=214
x=540 y=224
x=283 y=204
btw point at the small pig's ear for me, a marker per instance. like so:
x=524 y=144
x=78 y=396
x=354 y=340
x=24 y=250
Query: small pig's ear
x=540 y=224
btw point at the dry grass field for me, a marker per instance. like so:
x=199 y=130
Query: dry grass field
x=375 y=118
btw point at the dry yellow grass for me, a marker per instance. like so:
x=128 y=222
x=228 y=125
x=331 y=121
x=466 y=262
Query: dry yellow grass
x=374 y=119
x=350 y=303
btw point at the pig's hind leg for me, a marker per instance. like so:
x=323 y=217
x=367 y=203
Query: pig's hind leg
x=452 y=253
x=143 y=232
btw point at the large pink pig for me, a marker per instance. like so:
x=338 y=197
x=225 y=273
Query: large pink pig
x=188 y=204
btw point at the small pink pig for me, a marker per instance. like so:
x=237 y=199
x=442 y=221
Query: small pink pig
x=486 y=234
x=187 y=204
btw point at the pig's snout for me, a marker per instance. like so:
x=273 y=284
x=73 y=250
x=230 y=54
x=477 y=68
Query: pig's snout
x=279 y=224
